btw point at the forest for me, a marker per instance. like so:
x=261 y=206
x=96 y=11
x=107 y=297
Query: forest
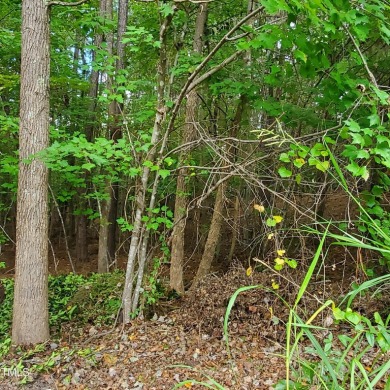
x=195 y=194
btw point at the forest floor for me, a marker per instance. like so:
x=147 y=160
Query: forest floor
x=184 y=341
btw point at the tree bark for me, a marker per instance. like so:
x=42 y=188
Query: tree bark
x=105 y=204
x=108 y=227
x=30 y=312
x=181 y=200
x=212 y=237
x=81 y=219
x=123 y=10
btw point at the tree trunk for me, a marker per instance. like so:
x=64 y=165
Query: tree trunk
x=107 y=233
x=103 y=263
x=212 y=237
x=123 y=10
x=105 y=204
x=30 y=311
x=81 y=219
x=142 y=183
x=217 y=219
x=181 y=201
x=81 y=238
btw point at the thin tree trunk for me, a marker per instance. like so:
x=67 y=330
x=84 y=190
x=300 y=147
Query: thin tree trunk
x=236 y=215
x=217 y=218
x=81 y=219
x=30 y=311
x=103 y=259
x=107 y=232
x=181 y=200
x=103 y=263
x=123 y=10
x=142 y=185
x=212 y=237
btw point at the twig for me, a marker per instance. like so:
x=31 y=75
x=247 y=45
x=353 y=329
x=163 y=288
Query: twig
x=64 y=230
x=216 y=68
x=370 y=74
x=54 y=256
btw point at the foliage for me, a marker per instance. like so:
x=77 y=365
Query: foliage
x=6 y=308
x=98 y=299
x=62 y=288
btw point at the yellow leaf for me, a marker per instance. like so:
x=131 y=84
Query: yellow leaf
x=259 y=207
x=277 y=218
x=275 y=286
x=109 y=360
x=280 y=252
x=279 y=261
x=249 y=271
x=271 y=236
x=188 y=384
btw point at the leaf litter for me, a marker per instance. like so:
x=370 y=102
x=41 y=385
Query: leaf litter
x=185 y=345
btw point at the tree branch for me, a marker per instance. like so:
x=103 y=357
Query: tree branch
x=370 y=74
x=191 y=79
x=216 y=68
x=65 y=4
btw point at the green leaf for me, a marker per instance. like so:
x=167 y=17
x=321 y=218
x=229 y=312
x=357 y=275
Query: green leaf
x=166 y=10
x=378 y=319
x=284 y=172
x=148 y=164
x=338 y=314
x=270 y=222
x=357 y=139
x=88 y=166
x=322 y=166
x=370 y=338
x=352 y=125
x=291 y=263
x=164 y=173
x=284 y=157
x=300 y=55
x=356 y=170
x=299 y=162
x=374 y=119
x=382 y=95
x=352 y=317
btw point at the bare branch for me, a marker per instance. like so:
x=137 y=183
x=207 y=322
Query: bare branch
x=200 y=67
x=65 y=4
x=214 y=70
x=370 y=74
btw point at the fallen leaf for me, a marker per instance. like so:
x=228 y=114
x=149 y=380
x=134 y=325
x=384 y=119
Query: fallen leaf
x=109 y=359
x=259 y=207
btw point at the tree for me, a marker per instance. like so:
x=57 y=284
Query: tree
x=107 y=231
x=30 y=317
x=189 y=135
